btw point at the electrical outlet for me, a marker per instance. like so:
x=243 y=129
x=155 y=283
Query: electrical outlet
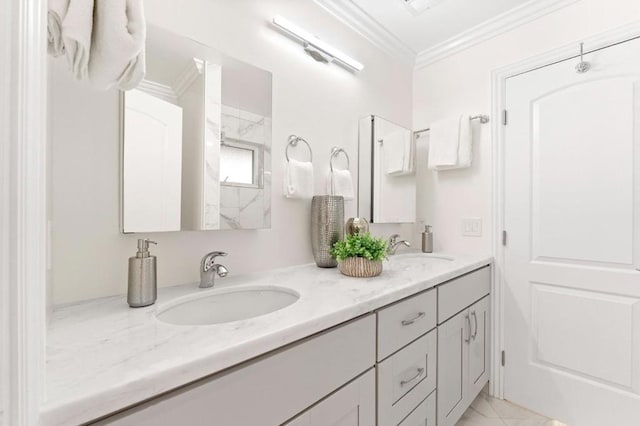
x=472 y=227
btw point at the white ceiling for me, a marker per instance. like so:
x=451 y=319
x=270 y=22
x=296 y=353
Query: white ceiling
x=444 y=20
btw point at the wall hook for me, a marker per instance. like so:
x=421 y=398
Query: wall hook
x=583 y=66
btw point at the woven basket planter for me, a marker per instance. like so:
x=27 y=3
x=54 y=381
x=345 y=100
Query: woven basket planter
x=360 y=267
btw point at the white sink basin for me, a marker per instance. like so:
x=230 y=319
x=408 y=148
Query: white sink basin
x=227 y=305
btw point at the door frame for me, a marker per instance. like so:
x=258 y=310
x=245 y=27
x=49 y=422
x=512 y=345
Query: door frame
x=23 y=208
x=499 y=77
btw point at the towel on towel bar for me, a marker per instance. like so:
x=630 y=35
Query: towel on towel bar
x=298 y=179
x=339 y=182
x=117 y=53
x=450 y=143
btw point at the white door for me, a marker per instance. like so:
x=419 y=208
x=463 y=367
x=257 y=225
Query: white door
x=572 y=212
x=152 y=164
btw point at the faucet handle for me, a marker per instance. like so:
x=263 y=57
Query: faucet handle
x=209 y=259
x=393 y=238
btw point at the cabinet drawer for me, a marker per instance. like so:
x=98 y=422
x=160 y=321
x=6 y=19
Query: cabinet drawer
x=459 y=293
x=406 y=378
x=405 y=321
x=424 y=415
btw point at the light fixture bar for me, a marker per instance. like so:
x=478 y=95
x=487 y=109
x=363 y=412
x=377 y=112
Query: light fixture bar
x=306 y=37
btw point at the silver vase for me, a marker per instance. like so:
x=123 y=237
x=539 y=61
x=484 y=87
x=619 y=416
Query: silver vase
x=327 y=227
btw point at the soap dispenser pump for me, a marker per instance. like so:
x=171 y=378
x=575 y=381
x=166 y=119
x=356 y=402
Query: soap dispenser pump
x=143 y=289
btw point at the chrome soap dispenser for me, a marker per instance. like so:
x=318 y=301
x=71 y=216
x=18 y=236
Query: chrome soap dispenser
x=143 y=289
x=427 y=240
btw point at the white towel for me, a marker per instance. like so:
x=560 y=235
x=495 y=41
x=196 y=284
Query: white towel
x=77 y=27
x=444 y=138
x=117 y=54
x=394 y=152
x=57 y=11
x=298 y=179
x=450 y=144
x=339 y=182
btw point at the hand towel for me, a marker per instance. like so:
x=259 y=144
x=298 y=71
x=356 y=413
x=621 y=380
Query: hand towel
x=393 y=152
x=444 y=138
x=298 y=179
x=117 y=53
x=465 y=146
x=77 y=27
x=57 y=11
x=339 y=182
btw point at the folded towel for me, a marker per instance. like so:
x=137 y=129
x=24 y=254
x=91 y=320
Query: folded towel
x=77 y=27
x=117 y=53
x=394 y=152
x=444 y=141
x=57 y=11
x=298 y=179
x=339 y=182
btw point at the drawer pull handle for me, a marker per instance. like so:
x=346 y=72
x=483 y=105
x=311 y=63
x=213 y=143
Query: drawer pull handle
x=475 y=320
x=468 y=321
x=414 y=319
x=418 y=374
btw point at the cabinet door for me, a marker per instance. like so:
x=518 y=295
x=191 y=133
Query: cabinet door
x=352 y=405
x=478 y=347
x=453 y=354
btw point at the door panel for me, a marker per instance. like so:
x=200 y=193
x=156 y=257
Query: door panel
x=577 y=339
x=582 y=173
x=452 y=362
x=479 y=346
x=572 y=211
x=353 y=405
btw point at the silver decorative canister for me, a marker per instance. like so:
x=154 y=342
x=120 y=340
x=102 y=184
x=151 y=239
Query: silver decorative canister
x=327 y=227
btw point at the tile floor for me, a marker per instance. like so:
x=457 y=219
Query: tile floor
x=488 y=411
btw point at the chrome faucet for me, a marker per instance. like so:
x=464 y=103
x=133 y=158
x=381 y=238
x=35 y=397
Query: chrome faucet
x=209 y=269
x=394 y=243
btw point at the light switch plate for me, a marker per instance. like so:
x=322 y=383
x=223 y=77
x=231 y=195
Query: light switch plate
x=472 y=227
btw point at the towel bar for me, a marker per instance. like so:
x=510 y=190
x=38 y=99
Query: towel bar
x=482 y=117
x=293 y=141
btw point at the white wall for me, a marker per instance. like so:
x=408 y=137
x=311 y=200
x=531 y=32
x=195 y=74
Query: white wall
x=462 y=83
x=319 y=102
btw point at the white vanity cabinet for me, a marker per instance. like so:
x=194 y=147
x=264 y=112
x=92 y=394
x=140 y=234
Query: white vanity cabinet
x=463 y=344
x=421 y=359
x=276 y=387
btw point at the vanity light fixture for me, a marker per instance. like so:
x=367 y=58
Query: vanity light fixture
x=318 y=49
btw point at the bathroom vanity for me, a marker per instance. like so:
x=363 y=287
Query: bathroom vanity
x=405 y=348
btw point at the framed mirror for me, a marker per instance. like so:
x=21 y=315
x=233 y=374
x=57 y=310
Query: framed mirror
x=196 y=141
x=386 y=176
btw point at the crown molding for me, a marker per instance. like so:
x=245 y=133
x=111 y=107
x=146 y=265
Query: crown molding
x=158 y=90
x=489 y=29
x=369 y=28
x=188 y=76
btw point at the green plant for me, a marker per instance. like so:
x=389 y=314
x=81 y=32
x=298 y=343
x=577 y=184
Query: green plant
x=356 y=245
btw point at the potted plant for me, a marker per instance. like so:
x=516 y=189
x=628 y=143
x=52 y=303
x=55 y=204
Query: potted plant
x=360 y=255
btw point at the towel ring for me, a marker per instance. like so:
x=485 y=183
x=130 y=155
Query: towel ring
x=293 y=141
x=335 y=151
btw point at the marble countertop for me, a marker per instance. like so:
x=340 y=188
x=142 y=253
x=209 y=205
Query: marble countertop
x=103 y=356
